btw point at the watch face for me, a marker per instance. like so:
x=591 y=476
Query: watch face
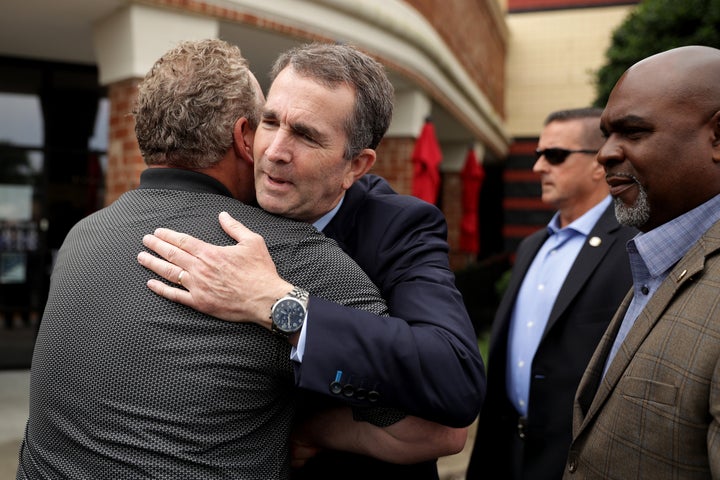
x=288 y=315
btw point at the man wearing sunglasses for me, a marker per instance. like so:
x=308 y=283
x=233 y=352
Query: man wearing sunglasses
x=567 y=282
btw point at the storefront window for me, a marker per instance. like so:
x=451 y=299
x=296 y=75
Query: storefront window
x=53 y=144
x=21 y=120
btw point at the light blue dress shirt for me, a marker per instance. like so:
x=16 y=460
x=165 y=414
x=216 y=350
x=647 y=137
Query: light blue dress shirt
x=654 y=253
x=537 y=295
x=296 y=353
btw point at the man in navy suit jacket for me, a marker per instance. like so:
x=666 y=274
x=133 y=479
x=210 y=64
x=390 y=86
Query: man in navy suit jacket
x=567 y=282
x=327 y=109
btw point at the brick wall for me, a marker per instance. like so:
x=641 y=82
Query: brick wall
x=124 y=160
x=393 y=163
x=471 y=31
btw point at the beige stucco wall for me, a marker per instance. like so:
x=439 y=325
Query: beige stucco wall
x=551 y=60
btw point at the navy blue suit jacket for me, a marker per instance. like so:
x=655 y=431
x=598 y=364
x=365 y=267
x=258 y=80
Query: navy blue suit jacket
x=424 y=358
x=591 y=293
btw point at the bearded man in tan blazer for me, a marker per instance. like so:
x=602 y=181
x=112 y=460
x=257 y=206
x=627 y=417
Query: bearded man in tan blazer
x=648 y=405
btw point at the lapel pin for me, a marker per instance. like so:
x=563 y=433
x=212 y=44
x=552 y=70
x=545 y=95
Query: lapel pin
x=595 y=241
x=682 y=275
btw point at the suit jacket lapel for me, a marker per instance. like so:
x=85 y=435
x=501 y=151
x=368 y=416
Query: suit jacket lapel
x=691 y=264
x=342 y=223
x=587 y=388
x=587 y=262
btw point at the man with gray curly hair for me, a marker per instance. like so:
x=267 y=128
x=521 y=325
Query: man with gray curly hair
x=189 y=102
x=128 y=385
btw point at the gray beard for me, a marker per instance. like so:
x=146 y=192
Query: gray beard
x=635 y=215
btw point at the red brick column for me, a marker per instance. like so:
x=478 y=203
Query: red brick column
x=395 y=165
x=393 y=162
x=124 y=160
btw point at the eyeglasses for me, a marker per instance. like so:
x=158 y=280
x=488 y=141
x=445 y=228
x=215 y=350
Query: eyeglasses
x=556 y=156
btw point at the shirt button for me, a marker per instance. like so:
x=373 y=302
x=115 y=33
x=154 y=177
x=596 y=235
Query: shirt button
x=645 y=290
x=572 y=465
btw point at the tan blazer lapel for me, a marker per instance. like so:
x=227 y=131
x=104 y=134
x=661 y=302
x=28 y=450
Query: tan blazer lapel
x=587 y=401
x=590 y=381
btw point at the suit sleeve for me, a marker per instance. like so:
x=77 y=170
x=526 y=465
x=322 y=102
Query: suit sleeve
x=424 y=357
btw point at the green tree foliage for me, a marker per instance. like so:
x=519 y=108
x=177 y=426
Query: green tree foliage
x=655 y=26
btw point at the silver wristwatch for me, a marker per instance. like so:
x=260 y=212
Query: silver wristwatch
x=288 y=313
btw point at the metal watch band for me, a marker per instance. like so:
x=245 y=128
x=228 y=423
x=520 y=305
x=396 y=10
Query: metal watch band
x=300 y=294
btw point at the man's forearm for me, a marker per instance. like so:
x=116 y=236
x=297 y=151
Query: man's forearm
x=411 y=440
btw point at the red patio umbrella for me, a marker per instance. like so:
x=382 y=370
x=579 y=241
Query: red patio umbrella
x=426 y=158
x=472 y=176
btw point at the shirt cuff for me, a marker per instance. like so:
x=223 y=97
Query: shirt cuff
x=296 y=353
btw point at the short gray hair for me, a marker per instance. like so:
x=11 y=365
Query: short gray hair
x=592 y=135
x=334 y=64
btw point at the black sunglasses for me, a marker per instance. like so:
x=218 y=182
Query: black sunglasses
x=556 y=156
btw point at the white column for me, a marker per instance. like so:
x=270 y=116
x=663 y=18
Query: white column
x=129 y=41
x=409 y=113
